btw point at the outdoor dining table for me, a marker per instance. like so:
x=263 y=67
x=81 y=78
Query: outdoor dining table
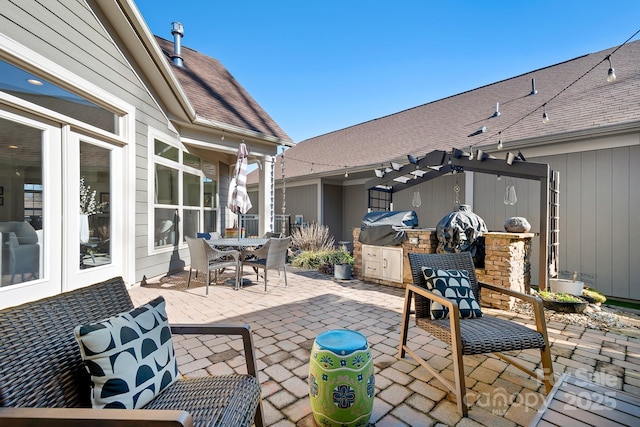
x=238 y=243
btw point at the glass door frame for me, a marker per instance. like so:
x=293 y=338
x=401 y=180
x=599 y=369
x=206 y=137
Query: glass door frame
x=73 y=276
x=50 y=282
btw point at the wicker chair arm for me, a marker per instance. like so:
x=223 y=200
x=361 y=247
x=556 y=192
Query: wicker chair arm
x=217 y=254
x=221 y=329
x=536 y=304
x=259 y=253
x=520 y=295
x=80 y=417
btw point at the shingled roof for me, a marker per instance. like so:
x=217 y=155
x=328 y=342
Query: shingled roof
x=216 y=95
x=589 y=106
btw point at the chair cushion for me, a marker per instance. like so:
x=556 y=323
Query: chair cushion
x=454 y=285
x=130 y=356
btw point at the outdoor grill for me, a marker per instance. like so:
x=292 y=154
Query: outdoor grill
x=387 y=227
x=461 y=231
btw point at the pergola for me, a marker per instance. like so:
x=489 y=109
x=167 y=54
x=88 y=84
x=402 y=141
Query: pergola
x=438 y=163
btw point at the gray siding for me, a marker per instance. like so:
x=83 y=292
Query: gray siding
x=332 y=209
x=599 y=215
x=301 y=200
x=437 y=196
x=354 y=208
x=68 y=33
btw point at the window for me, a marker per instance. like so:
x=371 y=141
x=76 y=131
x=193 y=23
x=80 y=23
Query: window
x=185 y=195
x=40 y=91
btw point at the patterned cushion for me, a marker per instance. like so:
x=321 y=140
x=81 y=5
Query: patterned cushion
x=130 y=356
x=455 y=285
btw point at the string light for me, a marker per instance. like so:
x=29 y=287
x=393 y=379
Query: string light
x=311 y=167
x=611 y=74
x=222 y=136
x=534 y=90
x=497 y=113
x=471 y=152
x=346 y=172
x=500 y=140
x=545 y=116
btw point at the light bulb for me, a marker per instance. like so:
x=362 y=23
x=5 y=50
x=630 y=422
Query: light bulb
x=611 y=74
x=545 y=118
x=417 y=201
x=500 y=144
x=470 y=153
x=346 y=174
x=510 y=197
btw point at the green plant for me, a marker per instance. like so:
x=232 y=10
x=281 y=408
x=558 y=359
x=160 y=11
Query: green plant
x=312 y=237
x=310 y=260
x=340 y=257
x=594 y=296
x=553 y=296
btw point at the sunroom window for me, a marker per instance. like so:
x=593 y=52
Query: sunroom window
x=185 y=196
x=38 y=90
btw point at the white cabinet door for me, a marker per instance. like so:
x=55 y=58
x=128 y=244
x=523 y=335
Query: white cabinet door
x=381 y=262
x=392 y=264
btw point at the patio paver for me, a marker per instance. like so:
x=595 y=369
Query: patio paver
x=285 y=322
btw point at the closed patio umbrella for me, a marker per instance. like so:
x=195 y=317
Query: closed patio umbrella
x=239 y=201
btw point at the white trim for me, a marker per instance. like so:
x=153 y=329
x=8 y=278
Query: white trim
x=172 y=140
x=33 y=62
x=49 y=283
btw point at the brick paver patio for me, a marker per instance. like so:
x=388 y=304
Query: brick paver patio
x=285 y=322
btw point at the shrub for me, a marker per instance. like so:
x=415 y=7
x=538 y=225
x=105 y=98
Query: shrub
x=321 y=260
x=593 y=296
x=310 y=260
x=312 y=237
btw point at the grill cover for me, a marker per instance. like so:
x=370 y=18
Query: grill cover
x=386 y=227
x=461 y=231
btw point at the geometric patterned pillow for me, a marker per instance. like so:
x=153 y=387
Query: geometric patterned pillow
x=130 y=356
x=454 y=285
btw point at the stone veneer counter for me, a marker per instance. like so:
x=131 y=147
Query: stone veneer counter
x=507 y=261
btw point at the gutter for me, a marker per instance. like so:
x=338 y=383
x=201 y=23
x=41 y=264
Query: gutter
x=214 y=124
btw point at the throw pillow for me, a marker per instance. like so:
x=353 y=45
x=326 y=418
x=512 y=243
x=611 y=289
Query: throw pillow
x=454 y=285
x=130 y=356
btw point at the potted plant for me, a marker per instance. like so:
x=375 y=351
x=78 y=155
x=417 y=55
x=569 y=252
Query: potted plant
x=566 y=286
x=342 y=263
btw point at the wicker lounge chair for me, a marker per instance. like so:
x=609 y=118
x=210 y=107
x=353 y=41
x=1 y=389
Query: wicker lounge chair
x=43 y=380
x=479 y=335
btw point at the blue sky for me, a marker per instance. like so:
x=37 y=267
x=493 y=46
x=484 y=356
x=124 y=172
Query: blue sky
x=323 y=65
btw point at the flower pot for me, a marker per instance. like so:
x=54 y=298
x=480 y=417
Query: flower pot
x=342 y=271
x=564 y=286
x=230 y=232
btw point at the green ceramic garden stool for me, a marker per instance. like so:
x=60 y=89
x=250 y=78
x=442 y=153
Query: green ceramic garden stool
x=341 y=379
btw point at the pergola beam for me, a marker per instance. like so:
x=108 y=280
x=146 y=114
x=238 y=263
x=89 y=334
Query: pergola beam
x=438 y=163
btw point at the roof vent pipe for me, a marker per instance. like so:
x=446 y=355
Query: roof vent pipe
x=177 y=31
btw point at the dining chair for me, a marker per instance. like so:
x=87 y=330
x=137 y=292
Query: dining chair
x=272 y=255
x=445 y=309
x=205 y=258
